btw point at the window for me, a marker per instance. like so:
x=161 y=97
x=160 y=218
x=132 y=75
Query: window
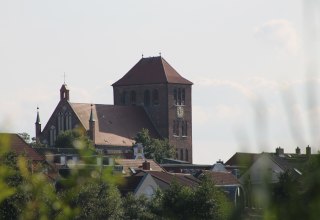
x=181 y=154
x=147 y=98
x=184 y=128
x=183 y=96
x=123 y=98
x=187 y=155
x=176 y=124
x=179 y=96
x=155 y=97
x=133 y=98
x=53 y=135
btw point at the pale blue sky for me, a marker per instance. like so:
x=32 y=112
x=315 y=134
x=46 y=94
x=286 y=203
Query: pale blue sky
x=247 y=59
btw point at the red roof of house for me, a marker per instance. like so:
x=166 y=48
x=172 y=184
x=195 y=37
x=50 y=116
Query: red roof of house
x=114 y=125
x=169 y=178
x=222 y=178
x=20 y=147
x=152 y=70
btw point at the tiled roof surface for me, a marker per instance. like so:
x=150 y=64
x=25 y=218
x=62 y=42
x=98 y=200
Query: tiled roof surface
x=222 y=178
x=136 y=164
x=130 y=184
x=114 y=125
x=20 y=147
x=242 y=159
x=152 y=70
x=164 y=179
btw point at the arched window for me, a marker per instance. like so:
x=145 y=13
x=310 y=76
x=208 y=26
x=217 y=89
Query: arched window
x=187 y=155
x=133 y=98
x=123 y=98
x=147 y=98
x=175 y=98
x=181 y=154
x=179 y=96
x=155 y=97
x=53 y=135
x=183 y=97
x=184 y=126
x=68 y=124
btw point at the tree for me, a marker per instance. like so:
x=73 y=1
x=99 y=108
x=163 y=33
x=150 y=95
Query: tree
x=154 y=148
x=75 y=138
x=137 y=207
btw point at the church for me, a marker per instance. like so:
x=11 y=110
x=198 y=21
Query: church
x=151 y=95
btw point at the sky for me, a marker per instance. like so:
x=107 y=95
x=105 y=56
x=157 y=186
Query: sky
x=253 y=64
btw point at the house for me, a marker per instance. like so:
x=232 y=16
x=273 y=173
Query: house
x=259 y=172
x=148 y=177
x=16 y=144
x=151 y=95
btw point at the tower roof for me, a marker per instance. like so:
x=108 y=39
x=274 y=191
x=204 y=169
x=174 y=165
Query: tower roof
x=152 y=70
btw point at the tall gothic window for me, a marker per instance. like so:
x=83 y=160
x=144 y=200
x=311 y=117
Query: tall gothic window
x=176 y=125
x=187 y=155
x=181 y=154
x=60 y=122
x=68 y=121
x=133 y=98
x=184 y=130
x=179 y=96
x=155 y=97
x=147 y=98
x=53 y=135
x=123 y=98
x=183 y=97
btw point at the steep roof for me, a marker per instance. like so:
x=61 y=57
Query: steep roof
x=20 y=147
x=114 y=125
x=152 y=70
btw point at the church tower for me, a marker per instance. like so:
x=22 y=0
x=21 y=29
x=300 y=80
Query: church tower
x=166 y=97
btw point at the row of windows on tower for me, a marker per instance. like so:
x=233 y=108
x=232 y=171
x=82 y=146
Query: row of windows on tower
x=182 y=154
x=177 y=124
x=148 y=97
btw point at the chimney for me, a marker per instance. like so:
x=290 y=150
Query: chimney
x=279 y=151
x=308 y=151
x=298 y=151
x=146 y=165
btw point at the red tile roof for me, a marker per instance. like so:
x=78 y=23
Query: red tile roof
x=114 y=125
x=20 y=147
x=222 y=178
x=169 y=178
x=152 y=70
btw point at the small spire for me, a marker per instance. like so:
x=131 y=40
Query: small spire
x=160 y=53
x=64 y=77
x=38 y=116
x=91 y=114
x=142 y=55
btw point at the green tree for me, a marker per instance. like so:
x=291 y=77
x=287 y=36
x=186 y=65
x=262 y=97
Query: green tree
x=154 y=148
x=75 y=138
x=137 y=207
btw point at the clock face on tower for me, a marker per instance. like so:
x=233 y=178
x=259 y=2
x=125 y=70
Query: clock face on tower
x=180 y=112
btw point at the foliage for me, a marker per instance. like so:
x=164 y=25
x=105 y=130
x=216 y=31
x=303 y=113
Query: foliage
x=25 y=136
x=154 y=148
x=73 y=138
x=137 y=207
x=180 y=202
